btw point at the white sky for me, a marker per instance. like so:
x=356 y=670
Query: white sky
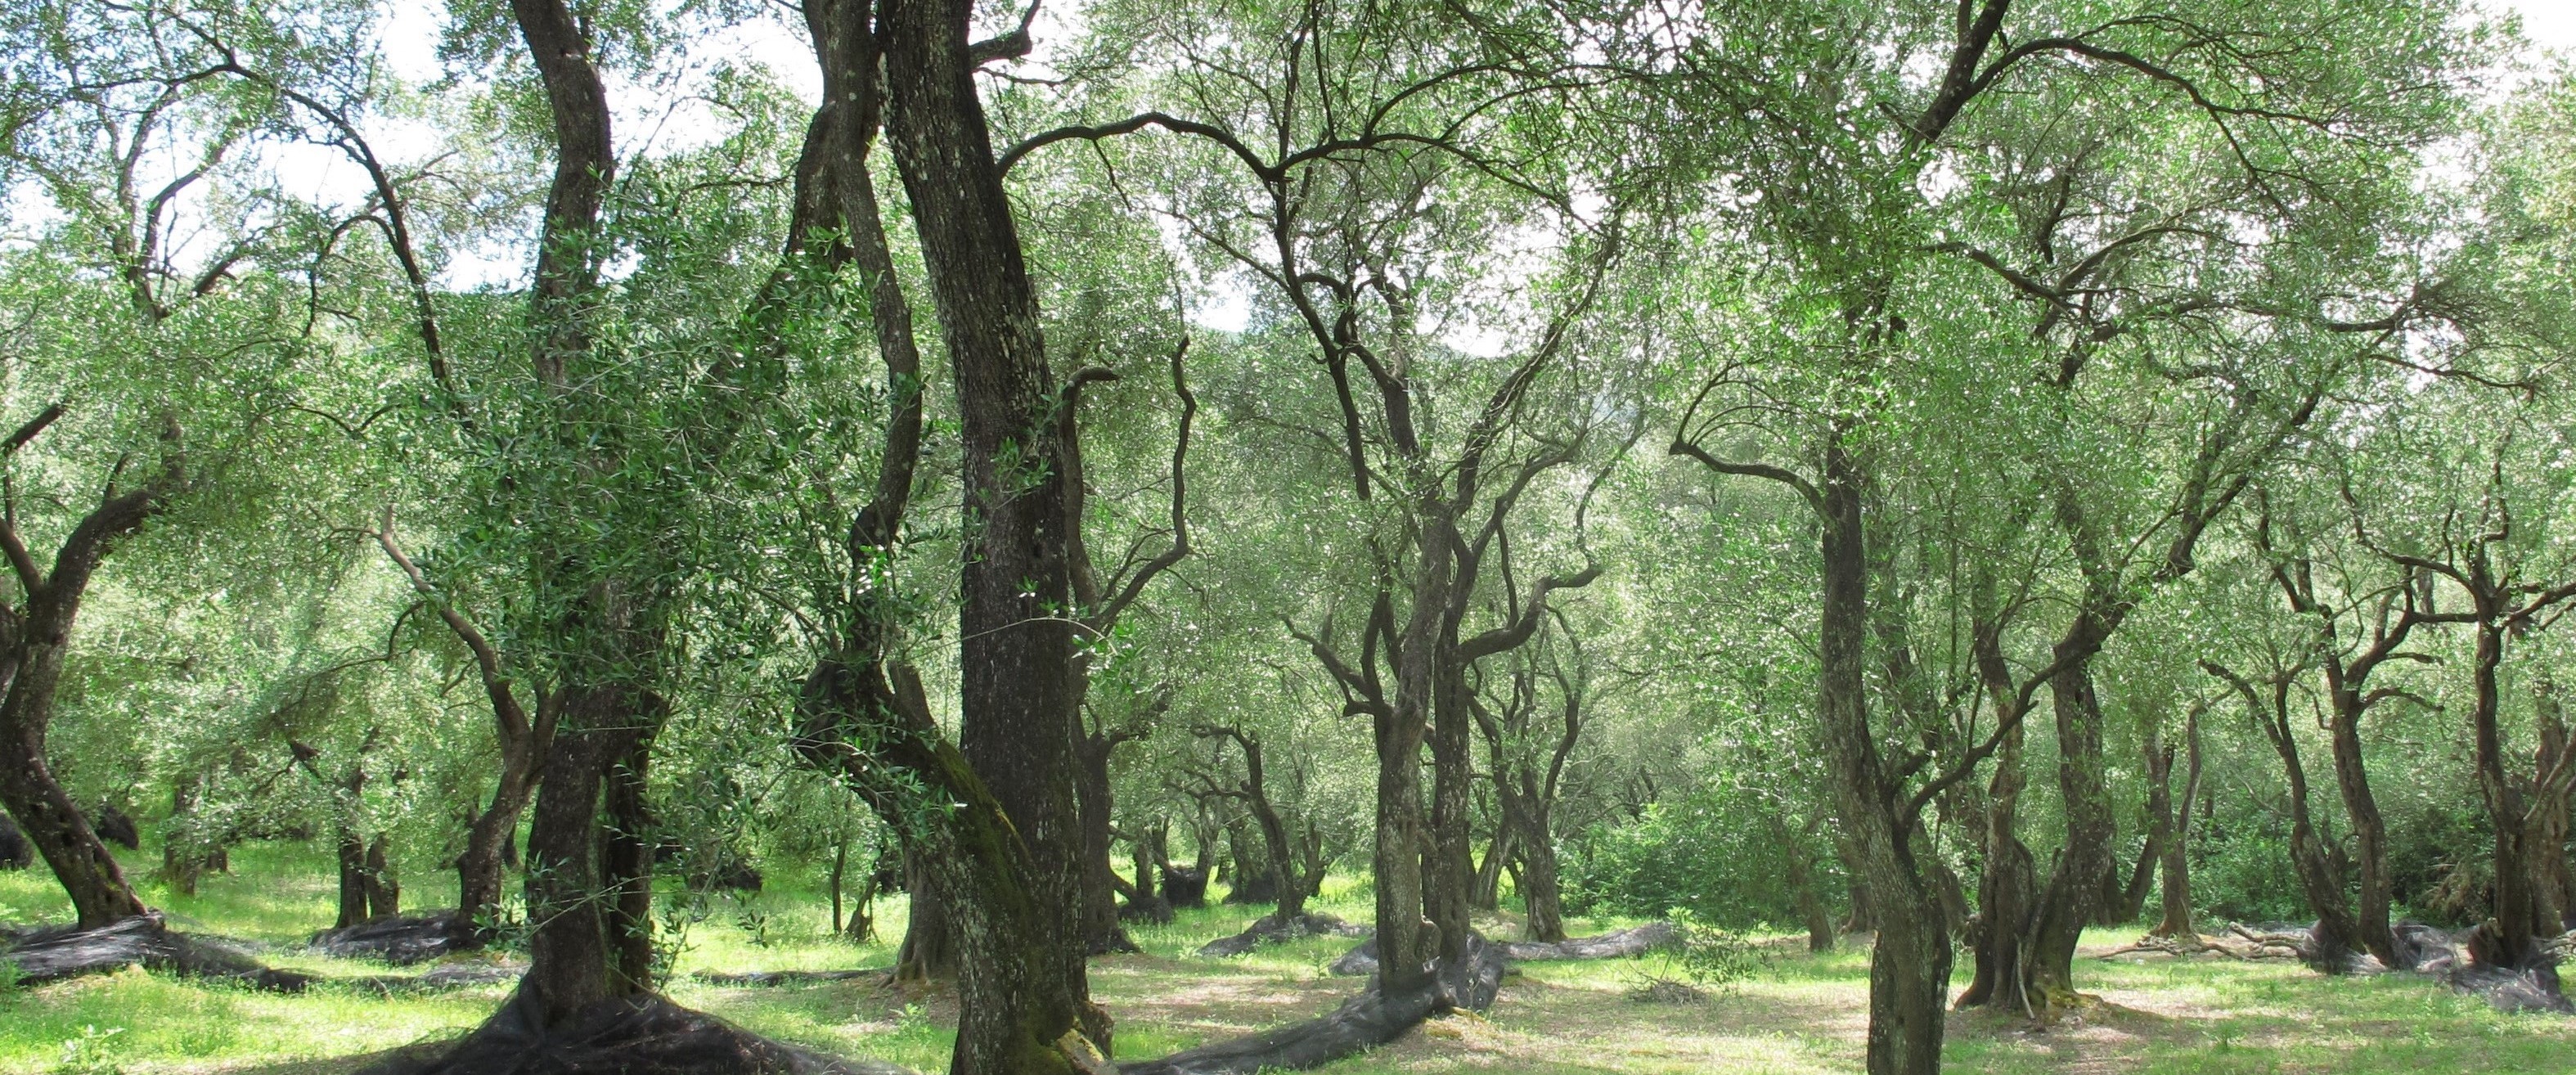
x=2550 y=23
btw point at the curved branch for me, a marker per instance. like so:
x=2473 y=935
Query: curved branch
x=1180 y=547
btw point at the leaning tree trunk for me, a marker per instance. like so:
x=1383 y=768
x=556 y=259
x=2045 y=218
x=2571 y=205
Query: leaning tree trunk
x=490 y=839
x=2123 y=903
x=1489 y=874
x=2336 y=935
x=45 y=812
x=479 y=870
x=2369 y=833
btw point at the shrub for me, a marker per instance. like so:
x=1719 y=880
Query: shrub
x=1713 y=858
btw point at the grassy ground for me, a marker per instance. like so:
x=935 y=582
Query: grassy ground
x=1795 y=1014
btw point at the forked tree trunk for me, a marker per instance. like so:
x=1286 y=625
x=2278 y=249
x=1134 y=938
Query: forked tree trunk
x=33 y=640
x=590 y=859
x=2067 y=904
x=2336 y=936
x=2349 y=699
x=1283 y=878
x=2371 y=924
x=2173 y=826
x=2008 y=881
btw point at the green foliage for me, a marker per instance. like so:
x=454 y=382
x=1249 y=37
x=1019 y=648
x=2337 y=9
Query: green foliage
x=2244 y=875
x=1706 y=855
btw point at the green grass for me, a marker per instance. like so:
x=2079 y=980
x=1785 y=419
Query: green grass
x=1796 y=1014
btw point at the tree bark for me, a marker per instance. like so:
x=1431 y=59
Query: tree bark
x=1100 y=929
x=2008 y=880
x=2347 y=676
x=2553 y=876
x=384 y=890
x=2371 y=924
x=929 y=950
x=589 y=857
x=1024 y=986
x=1489 y=873
x=1542 y=894
x=1449 y=871
x=2122 y=904
x=1288 y=884
x=2511 y=938
x=352 y=854
x=1909 y=970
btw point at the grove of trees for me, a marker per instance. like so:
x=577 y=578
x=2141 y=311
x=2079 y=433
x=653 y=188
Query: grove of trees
x=1959 y=472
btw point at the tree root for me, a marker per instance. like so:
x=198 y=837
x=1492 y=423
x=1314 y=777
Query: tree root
x=1633 y=941
x=2178 y=947
x=51 y=955
x=632 y=1034
x=401 y=939
x=2531 y=986
x=789 y=977
x=1270 y=929
x=1373 y=1018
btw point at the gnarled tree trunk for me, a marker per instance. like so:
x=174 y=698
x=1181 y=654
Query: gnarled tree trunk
x=34 y=638
x=2173 y=825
